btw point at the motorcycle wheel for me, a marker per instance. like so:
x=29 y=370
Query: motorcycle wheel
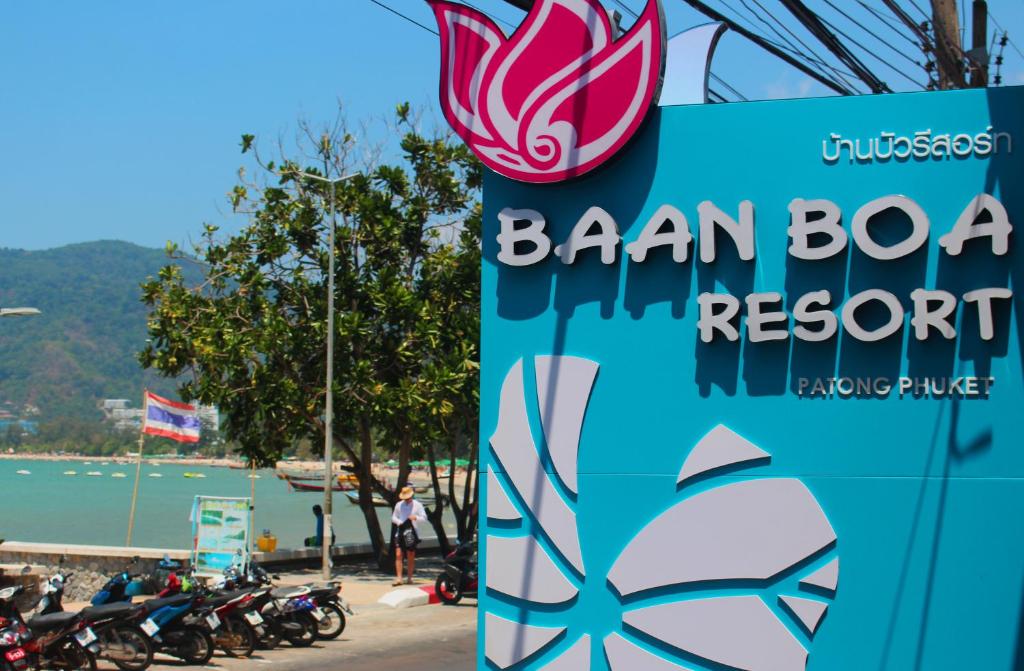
x=127 y=647
x=447 y=592
x=333 y=623
x=72 y=657
x=237 y=637
x=271 y=632
x=306 y=635
x=195 y=646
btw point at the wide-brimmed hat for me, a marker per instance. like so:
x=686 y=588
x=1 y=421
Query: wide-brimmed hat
x=406 y=493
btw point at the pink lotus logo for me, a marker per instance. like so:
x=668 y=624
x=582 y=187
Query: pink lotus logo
x=556 y=99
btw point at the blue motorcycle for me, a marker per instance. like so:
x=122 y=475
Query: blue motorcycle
x=168 y=622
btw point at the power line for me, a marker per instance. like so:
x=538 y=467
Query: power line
x=843 y=75
x=624 y=6
x=1003 y=31
x=493 y=17
x=729 y=87
x=871 y=33
x=718 y=79
x=765 y=44
x=812 y=22
x=840 y=75
x=926 y=15
x=813 y=61
x=882 y=19
x=410 y=20
x=871 y=53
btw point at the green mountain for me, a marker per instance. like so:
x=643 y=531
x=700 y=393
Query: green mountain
x=82 y=348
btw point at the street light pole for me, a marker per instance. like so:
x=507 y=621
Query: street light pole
x=326 y=537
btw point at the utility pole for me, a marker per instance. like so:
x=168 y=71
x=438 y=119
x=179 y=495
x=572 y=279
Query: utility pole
x=979 y=44
x=948 y=49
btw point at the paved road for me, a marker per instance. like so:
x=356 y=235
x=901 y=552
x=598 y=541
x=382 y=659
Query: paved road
x=428 y=638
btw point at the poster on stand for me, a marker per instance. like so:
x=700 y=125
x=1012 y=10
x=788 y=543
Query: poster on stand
x=220 y=534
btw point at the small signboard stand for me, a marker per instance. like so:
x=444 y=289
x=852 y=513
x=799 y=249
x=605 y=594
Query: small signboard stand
x=220 y=534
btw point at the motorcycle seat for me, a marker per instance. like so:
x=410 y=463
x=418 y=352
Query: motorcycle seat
x=221 y=599
x=176 y=600
x=107 y=611
x=289 y=592
x=41 y=623
x=321 y=592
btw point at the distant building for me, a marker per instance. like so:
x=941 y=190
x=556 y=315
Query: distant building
x=111 y=404
x=123 y=417
x=209 y=415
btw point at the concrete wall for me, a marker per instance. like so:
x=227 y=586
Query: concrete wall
x=93 y=565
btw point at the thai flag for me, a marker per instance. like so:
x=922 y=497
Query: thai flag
x=170 y=419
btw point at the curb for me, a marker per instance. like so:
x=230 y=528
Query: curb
x=410 y=597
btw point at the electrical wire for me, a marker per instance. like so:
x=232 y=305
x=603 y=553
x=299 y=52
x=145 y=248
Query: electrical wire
x=787 y=52
x=872 y=33
x=715 y=94
x=729 y=87
x=492 y=17
x=718 y=79
x=1003 y=31
x=410 y=20
x=886 y=21
x=926 y=15
x=814 y=59
x=814 y=25
x=871 y=53
x=625 y=7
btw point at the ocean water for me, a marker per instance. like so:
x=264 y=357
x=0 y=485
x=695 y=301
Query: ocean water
x=49 y=507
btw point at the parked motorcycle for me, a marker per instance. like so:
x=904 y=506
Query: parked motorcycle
x=172 y=624
x=289 y=613
x=13 y=636
x=120 y=588
x=225 y=615
x=54 y=641
x=459 y=578
x=120 y=639
x=231 y=616
x=331 y=605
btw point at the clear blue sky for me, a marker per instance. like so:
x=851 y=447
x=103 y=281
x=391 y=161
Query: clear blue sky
x=120 y=120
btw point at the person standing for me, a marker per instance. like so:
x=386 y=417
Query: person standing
x=407 y=515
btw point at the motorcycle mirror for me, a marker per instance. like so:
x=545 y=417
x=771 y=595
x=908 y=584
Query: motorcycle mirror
x=135 y=559
x=26 y=570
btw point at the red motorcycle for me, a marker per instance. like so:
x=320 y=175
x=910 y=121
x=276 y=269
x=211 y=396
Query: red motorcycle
x=57 y=641
x=231 y=617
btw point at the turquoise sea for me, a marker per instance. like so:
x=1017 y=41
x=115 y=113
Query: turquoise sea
x=49 y=507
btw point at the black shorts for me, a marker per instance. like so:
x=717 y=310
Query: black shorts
x=406 y=539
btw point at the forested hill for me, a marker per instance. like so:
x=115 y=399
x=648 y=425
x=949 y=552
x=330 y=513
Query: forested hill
x=82 y=348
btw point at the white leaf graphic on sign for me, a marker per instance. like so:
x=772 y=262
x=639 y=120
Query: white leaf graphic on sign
x=756 y=531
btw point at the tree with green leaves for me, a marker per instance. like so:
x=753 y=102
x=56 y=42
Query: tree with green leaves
x=250 y=338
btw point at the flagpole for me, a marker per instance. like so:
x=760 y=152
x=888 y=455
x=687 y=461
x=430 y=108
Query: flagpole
x=138 y=470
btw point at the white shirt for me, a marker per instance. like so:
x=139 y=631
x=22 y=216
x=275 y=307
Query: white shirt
x=406 y=509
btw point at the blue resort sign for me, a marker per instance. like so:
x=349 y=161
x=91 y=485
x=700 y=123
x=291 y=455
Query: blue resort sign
x=751 y=388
